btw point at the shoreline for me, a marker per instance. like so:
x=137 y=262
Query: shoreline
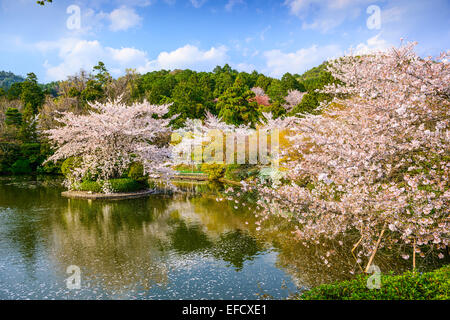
x=113 y=196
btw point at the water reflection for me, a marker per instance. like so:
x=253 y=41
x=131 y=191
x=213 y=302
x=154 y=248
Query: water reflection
x=187 y=246
x=156 y=247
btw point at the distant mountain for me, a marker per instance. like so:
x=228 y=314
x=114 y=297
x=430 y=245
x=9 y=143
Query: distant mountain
x=316 y=77
x=313 y=73
x=8 y=78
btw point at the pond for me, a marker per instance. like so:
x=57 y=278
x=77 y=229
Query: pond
x=186 y=246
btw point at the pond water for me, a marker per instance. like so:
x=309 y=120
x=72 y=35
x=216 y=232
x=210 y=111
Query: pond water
x=186 y=246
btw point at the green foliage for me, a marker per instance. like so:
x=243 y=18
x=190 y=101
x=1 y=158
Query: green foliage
x=50 y=88
x=69 y=165
x=9 y=154
x=276 y=108
x=309 y=103
x=31 y=96
x=42 y=2
x=102 y=77
x=289 y=82
x=276 y=91
x=213 y=170
x=13 y=117
x=21 y=166
x=15 y=91
x=126 y=185
x=263 y=82
x=93 y=91
x=235 y=108
x=116 y=185
x=190 y=100
x=7 y=79
x=239 y=172
x=433 y=285
x=74 y=92
x=223 y=92
x=89 y=185
x=312 y=80
x=136 y=172
x=32 y=152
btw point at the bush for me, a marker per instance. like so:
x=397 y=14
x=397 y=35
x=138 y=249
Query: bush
x=69 y=165
x=136 y=172
x=92 y=186
x=213 y=170
x=9 y=153
x=21 y=166
x=239 y=172
x=433 y=285
x=184 y=168
x=126 y=185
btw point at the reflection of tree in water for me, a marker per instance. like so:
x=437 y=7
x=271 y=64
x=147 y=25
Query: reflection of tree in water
x=306 y=263
x=236 y=247
x=125 y=243
x=210 y=227
x=188 y=238
x=115 y=243
x=27 y=222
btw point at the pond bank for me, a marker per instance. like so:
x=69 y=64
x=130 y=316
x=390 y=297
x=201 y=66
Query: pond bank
x=113 y=196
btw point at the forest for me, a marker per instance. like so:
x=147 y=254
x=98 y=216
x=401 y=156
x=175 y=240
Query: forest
x=28 y=107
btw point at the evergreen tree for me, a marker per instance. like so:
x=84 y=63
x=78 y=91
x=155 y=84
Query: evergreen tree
x=14 y=91
x=236 y=107
x=263 y=82
x=31 y=96
x=13 y=117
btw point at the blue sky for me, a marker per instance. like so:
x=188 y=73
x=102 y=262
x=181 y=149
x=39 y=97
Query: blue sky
x=271 y=36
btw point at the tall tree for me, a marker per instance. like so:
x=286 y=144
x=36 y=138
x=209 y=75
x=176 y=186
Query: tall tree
x=376 y=161
x=110 y=138
x=236 y=105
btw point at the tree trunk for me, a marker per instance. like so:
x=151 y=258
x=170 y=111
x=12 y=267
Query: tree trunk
x=376 y=248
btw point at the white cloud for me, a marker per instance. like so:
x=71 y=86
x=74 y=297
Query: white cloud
x=198 y=3
x=262 y=34
x=231 y=3
x=245 y=67
x=372 y=45
x=188 y=56
x=278 y=62
x=325 y=15
x=76 y=54
x=128 y=57
x=124 y=18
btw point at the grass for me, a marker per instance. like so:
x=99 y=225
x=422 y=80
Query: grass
x=116 y=185
x=434 y=285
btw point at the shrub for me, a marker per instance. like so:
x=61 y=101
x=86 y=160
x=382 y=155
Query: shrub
x=21 y=166
x=13 y=117
x=69 y=165
x=136 y=172
x=32 y=152
x=238 y=172
x=184 y=168
x=433 y=285
x=9 y=153
x=213 y=170
x=92 y=186
x=126 y=185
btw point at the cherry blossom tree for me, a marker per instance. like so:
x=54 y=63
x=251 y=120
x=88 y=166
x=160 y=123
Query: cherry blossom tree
x=112 y=136
x=293 y=98
x=259 y=92
x=376 y=161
